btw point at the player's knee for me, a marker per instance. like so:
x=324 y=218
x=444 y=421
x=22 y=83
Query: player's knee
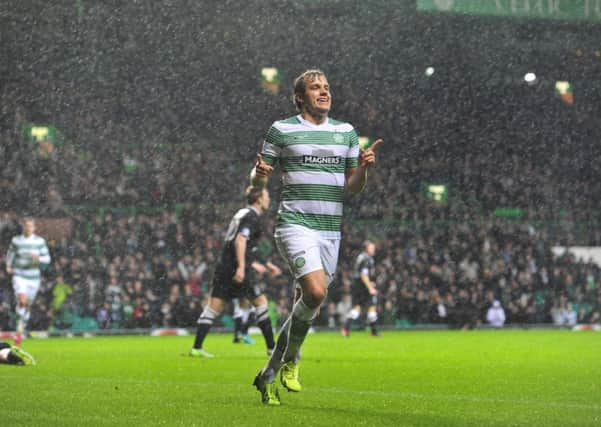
x=238 y=312
x=262 y=313
x=314 y=288
x=208 y=316
x=259 y=301
x=372 y=316
x=313 y=300
x=314 y=296
x=354 y=314
x=216 y=305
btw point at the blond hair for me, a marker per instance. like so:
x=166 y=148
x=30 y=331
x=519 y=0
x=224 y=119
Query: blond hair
x=300 y=85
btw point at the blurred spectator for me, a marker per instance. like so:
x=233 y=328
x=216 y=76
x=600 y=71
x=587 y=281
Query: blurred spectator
x=496 y=315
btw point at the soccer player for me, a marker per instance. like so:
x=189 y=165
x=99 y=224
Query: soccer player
x=26 y=254
x=363 y=290
x=320 y=158
x=14 y=355
x=232 y=274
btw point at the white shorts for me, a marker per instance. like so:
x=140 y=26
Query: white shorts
x=305 y=250
x=26 y=286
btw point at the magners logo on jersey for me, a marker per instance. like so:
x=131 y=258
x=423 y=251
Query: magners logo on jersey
x=321 y=160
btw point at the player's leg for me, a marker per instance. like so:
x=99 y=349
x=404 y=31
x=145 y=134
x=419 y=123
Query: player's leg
x=33 y=286
x=332 y=315
x=21 y=306
x=264 y=322
x=308 y=256
x=247 y=320
x=238 y=315
x=4 y=352
x=213 y=309
x=372 y=316
x=22 y=311
x=289 y=373
x=297 y=325
x=312 y=277
x=25 y=291
x=14 y=355
x=351 y=316
x=297 y=295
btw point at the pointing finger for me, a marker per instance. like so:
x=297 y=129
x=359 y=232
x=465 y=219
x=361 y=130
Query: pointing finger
x=259 y=159
x=375 y=145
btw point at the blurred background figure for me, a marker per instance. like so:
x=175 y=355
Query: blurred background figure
x=364 y=293
x=26 y=256
x=496 y=315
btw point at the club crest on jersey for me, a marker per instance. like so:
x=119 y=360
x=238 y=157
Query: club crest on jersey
x=338 y=138
x=321 y=160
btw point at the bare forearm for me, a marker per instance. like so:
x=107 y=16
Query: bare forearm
x=356 y=178
x=366 y=282
x=240 y=247
x=257 y=180
x=260 y=173
x=356 y=182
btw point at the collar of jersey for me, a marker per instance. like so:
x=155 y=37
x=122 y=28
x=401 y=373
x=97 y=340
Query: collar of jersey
x=308 y=123
x=254 y=209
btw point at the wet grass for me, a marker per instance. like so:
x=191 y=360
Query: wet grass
x=478 y=378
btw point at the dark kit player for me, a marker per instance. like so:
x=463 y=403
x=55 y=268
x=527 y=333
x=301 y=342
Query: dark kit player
x=233 y=275
x=363 y=291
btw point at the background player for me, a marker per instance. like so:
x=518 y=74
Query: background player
x=363 y=290
x=232 y=277
x=26 y=254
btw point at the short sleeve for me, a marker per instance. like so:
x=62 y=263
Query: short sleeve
x=272 y=146
x=352 y=160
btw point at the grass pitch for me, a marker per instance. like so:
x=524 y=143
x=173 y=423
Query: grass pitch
x=477 y=378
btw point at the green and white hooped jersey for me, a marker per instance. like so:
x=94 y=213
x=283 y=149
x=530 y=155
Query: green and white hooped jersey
x=313 y=159
x=19 y=256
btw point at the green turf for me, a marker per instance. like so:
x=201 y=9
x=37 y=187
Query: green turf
x=478 y=378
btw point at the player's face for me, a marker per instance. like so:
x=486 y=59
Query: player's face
x=371 y=249
x=317 y=99
x=28 y=228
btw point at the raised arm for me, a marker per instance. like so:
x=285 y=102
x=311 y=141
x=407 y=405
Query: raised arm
x=259 y=175
x=356 y=178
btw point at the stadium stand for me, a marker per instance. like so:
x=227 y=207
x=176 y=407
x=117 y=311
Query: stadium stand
x=158 y=141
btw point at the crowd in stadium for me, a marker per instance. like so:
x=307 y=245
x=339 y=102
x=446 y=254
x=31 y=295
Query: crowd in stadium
x=437 y=263
x=139 y=271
